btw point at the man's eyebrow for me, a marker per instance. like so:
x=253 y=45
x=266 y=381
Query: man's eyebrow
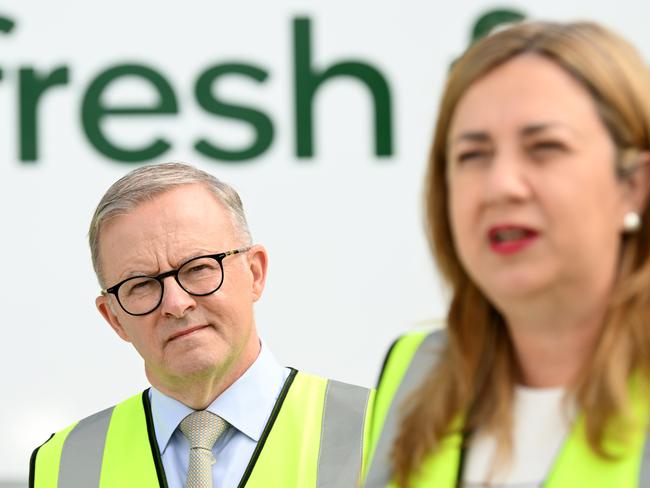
x=201 y=252
x=133 y=273
x=138 y=270
x=155 y=272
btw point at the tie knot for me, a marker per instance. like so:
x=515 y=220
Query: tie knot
x=203 y=428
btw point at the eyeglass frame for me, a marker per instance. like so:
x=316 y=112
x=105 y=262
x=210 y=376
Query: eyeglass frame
x=219 y=257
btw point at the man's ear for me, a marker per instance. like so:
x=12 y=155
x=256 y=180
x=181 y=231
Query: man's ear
x=258 y=262
x=106 y=310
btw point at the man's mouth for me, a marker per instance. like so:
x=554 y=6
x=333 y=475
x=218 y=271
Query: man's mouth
x=185 y=332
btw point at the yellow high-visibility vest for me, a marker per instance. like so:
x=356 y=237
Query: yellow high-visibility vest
x=315 y=437
x=411 y=359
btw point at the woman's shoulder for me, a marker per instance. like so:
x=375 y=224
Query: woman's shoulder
x=413 y=349
x=409 y=359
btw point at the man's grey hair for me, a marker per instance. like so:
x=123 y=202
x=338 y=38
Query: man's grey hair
x=146 y=183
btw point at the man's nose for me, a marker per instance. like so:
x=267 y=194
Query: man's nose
x=176 y=302
x=507 y=179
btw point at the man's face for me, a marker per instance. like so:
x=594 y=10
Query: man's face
x=186 y=336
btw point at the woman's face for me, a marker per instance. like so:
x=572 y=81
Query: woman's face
x=535 y=205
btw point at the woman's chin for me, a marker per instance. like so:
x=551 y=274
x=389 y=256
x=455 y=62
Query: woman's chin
x=515 y=287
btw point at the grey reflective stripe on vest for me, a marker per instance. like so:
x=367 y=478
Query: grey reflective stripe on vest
x=426 y=355
x=341 y=443
x=83 y=450
x=644 y=473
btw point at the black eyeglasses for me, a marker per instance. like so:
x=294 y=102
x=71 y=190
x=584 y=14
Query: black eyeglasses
x=200 y=276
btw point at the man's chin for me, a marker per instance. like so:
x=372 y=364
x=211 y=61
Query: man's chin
x=197 y=367
x=178 y=371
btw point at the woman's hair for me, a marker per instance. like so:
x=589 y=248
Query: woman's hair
x=477 y=371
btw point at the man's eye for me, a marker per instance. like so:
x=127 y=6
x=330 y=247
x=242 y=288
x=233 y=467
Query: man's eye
x=198 y=268
x=140 y=287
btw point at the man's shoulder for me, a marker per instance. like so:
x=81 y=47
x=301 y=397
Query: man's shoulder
x=312 y=381
x=119 y=432
x=328 y=395
x=133 y=403
x=101 y=418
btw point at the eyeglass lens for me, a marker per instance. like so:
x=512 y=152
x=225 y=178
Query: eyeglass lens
x=200 y=276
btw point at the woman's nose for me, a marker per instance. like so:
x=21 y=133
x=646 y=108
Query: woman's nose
x=506 y=179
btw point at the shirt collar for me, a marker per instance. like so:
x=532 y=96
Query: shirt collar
x=246 y=404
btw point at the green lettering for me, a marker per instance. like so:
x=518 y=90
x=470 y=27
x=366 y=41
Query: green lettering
x=259 y=121
x=6 y=25
x=492 y=19
x=307 y=81
x=32 y=86
x=94 y=111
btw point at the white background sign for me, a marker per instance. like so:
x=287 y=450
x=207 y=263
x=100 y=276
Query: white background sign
x=349 y=263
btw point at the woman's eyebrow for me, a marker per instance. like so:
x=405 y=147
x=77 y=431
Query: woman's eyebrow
x=533 y=129
x=472 y=136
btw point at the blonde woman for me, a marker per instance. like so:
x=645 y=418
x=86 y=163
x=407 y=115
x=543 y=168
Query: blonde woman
x=538 y=219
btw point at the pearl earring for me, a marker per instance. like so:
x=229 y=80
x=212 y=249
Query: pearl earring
x=631 y=222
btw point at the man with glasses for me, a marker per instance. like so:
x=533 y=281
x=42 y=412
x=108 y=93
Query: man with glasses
x=179 y=275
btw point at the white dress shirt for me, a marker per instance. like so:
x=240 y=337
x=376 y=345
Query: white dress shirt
x=246 y=405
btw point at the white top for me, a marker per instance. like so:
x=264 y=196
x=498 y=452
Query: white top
x=246 y=405
x=541 y=422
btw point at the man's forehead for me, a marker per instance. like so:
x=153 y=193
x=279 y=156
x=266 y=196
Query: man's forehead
x=183 y=202
x=166 y=230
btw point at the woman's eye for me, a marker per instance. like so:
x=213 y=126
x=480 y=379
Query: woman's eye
x=547 y=147
x=470 y=155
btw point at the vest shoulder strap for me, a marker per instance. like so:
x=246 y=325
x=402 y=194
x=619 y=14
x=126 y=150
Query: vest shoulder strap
x=407 y=364
x=316 y=438
x=74 y=456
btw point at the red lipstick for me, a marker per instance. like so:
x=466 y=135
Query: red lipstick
x=510 y=239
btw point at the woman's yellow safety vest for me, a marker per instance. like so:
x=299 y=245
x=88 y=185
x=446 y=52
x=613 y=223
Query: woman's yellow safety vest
x=411 y=359
x=313 y=438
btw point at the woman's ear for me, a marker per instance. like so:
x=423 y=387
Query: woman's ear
x=637 y=182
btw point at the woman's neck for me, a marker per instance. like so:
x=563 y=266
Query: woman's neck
x=552 y=341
